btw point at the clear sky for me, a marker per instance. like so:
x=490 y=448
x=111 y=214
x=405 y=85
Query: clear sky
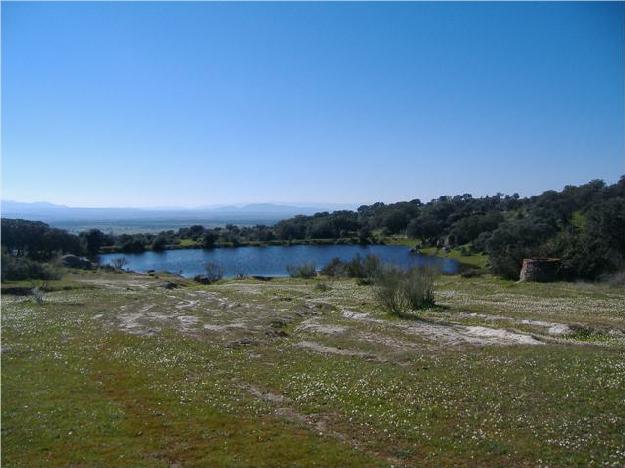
x=187 y=104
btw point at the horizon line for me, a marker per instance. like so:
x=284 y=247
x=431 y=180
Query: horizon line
x=305 y=204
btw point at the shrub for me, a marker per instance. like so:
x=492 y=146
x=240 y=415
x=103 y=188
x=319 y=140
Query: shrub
x=202 y=279
x=418 y=287
x=119 y=263
x=365 y=269
x=388 y=290
x=398 y=291
x=371 y=266
x=472 y=273
x=334 y=268
x=355 y=267
x=214 y=272
x=20 y=268
x=304 y=270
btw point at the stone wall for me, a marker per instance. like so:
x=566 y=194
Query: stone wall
x=540 y=269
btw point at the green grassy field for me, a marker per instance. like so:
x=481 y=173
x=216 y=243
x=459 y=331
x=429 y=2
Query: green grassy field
x=114 y=369
x=471 y=260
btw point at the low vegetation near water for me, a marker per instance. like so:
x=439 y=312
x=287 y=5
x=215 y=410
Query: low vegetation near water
x=397 y=291
x=111 y=368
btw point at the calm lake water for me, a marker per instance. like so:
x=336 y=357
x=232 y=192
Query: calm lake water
x=271 y=261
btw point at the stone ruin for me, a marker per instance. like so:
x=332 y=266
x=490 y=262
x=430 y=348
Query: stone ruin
x=540 y=269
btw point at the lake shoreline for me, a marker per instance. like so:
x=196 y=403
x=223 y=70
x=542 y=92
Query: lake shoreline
x=465 y=262
x=274 y=260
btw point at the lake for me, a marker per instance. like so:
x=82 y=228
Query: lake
x=272 y=260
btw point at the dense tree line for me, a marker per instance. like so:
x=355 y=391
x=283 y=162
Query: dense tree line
x=583 y=225
x=37 y=240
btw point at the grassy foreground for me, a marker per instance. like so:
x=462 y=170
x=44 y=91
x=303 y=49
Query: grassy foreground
x=115 y=369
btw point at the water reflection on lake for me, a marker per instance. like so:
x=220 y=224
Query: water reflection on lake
x=273 y=260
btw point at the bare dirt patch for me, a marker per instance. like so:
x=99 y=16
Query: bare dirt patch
x=312 y=325
x=500 y=336
x=224 y=327
x=551 y=328
x=122 y=283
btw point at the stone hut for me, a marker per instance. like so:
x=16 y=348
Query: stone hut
x=540 y=269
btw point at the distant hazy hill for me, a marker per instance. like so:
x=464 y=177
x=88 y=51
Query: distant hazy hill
x=139 y=219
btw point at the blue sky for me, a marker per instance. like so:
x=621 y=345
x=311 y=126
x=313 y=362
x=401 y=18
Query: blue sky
x=187 y=104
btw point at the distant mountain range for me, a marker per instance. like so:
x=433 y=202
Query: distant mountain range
x=151 y=219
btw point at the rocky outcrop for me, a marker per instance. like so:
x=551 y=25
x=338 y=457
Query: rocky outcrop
x=540 y=269
x=202 y=279
x=73 y=261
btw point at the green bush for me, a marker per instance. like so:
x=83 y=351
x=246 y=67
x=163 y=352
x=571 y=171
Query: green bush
x=358 y=267
x=334 y=268
x=418 y=288
x=303 y=270
x=472 y=273
x=355 y=267
x=371 y=266
x=388 y=291
x=398 y=291
x=20 y=268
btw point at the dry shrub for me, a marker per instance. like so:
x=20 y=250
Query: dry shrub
x=303 y=270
